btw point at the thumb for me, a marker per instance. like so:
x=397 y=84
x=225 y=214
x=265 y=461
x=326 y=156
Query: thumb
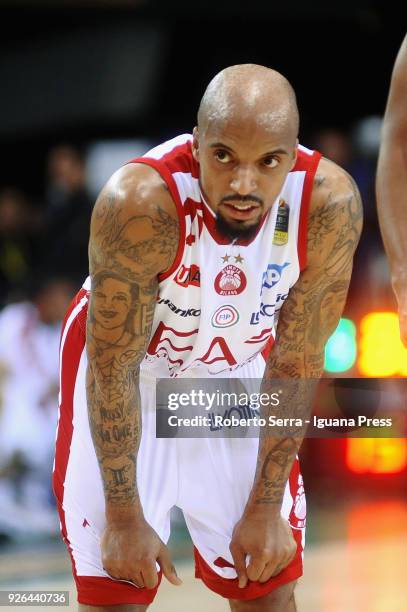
x=239 y=560
x=164 y=561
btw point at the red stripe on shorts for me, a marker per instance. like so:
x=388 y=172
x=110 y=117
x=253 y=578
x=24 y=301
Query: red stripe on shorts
x=72 y=344
x=228 y=587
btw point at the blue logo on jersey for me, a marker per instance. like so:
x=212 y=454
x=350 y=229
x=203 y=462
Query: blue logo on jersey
x=268 y=310
x=272 y=275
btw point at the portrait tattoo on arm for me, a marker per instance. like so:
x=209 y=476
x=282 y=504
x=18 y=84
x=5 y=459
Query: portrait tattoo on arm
x=127 y=251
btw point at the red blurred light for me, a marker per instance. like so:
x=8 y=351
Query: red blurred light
x=376 y=455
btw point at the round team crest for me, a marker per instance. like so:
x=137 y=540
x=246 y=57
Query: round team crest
x=225 y=316
x=230 y=281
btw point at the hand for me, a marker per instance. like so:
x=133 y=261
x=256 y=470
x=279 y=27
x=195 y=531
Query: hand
x=130 y=550
x=269 y=542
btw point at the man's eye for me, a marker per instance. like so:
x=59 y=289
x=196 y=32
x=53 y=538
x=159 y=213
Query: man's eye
x=222 y=156
x=270 y=162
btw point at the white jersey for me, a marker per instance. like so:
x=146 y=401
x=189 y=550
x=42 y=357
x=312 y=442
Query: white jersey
x=218 y=304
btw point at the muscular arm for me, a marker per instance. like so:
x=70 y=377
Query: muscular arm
x=391 y=183
x=134 y=237
x=307 y=319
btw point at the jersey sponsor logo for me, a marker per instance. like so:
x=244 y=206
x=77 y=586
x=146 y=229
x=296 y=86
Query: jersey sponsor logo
x=188 y=276
x=190 y=312
x=268 y=310
x=225 y=316
x=272 y=275
x=230 y=281
x=281 y=230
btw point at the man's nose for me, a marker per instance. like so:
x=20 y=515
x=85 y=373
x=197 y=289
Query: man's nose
x=244 y=180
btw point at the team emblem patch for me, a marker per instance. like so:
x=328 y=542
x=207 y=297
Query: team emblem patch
x=281 y=230
x=225 y=316
x=230 y=281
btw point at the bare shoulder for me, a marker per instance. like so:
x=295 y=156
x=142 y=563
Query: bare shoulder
x=134 y=227
x=134 y=188
x=336 y=213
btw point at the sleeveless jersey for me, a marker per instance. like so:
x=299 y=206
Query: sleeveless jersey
x=217 y=306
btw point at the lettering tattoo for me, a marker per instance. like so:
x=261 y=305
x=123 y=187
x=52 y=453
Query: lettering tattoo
x=127 y=251
x=273 y=479
x=308 y=318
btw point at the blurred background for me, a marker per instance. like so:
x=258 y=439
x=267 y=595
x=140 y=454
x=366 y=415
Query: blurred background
x=87 y=85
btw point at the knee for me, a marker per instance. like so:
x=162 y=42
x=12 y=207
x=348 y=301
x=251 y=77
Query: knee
x=279 y=600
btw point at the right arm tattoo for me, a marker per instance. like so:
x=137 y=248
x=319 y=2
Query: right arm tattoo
x=126 y=253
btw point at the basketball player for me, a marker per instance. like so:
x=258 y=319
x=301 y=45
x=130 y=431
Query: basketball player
x=196 y=249
x=391 y=184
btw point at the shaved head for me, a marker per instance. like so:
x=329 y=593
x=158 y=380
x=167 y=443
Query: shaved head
x=249 y=92
x=245 y=145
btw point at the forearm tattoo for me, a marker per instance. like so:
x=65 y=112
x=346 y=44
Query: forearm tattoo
x=125 y=254
x=308 y=318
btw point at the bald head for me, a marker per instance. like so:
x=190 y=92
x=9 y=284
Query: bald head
x=249 y=92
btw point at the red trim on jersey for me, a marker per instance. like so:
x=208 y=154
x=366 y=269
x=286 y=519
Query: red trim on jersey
x=71 y=355
x=310 y=165
x=166 y=175
x=267 y=349
x=228 y=587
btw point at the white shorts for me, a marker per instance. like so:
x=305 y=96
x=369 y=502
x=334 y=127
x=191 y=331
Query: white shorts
x=208 y=479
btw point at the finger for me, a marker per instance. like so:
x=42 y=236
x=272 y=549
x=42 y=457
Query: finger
x=239 y=561
x=255 y=568
x=135 y=577
x=267 y=573
x=169 y=571
x=271 y=570
x=149 y=573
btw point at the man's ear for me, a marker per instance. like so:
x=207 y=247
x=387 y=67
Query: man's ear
x=295 y=154
x=195 y=144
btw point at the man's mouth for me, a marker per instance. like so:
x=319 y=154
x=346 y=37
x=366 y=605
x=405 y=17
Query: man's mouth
x=241 y=210
x=241 y=206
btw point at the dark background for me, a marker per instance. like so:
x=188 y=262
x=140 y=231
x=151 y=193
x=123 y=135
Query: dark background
x=76 y=71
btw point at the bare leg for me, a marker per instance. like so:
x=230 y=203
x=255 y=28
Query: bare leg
x=118 y=608
x=280 y=600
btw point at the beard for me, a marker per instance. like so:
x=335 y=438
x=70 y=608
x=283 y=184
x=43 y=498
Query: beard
x=237 y=230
